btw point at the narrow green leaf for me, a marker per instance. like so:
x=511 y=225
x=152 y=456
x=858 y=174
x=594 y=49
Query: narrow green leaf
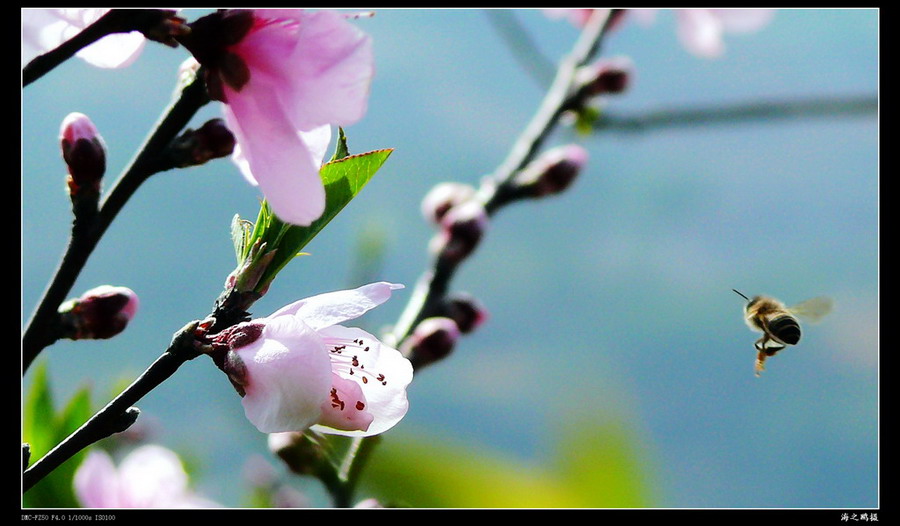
x=343 y=180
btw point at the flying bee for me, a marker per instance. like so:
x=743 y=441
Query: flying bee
x=778 y=323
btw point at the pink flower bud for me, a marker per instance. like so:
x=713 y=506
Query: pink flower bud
x=99 y=313
x=553 y=171
x=433 y=339
x=462 y=227
x=606 y=76
x=84 y=153
x=211 y=141
x=465 y=310
x=442 y=198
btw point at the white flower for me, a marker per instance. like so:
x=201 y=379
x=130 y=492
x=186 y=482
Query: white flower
x=298 y=368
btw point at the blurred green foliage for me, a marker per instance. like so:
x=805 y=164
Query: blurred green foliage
x=594 y=465
x=42 y=428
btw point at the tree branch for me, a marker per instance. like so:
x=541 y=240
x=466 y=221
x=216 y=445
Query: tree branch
x=42 y=329
x=665 y=118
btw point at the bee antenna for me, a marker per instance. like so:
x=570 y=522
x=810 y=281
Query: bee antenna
x=741 y=295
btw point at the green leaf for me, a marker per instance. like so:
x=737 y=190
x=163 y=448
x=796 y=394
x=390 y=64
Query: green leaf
x=340 y=149
x=43 y=429
x=240 y=237
x=37 y=422
x=586 y=119
x=343 y=179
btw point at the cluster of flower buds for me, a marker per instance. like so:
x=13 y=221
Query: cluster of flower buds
x=442 y=198
x=552 y=172
x=99 y=313
x=434 y=338
x=84 y=152
x=461 y=229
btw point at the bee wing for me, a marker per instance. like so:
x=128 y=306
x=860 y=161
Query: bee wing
x=814 y=309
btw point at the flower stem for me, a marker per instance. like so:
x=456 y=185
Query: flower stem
x=43 y=328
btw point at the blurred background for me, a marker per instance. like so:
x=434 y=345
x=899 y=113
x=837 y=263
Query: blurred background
x=615 y=369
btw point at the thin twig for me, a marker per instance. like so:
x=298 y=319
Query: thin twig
x=42 y=329
x=538 y=66
x=495 y=190
x=109 y=420
x=835 y=106
x=434 y=284
x=115 y=21
x=116 y=416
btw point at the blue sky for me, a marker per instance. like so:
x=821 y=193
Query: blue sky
x=614 y=296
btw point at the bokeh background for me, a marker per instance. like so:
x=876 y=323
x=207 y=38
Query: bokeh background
x=615 y=359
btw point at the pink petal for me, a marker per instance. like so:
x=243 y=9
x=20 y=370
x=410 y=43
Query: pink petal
x=324 y=77
x=288 y=375
x=700 y=32
x=382 y=375
x=743 y=20
x=152 y=477
x=97 y=482
x=331 y=308
x=346 y=408
x=270 y=152
x=46 y=29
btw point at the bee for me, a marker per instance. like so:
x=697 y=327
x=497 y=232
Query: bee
x=778 y=323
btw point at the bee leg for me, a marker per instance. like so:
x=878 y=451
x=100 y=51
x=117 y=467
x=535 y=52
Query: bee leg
x=760 y=362
x=764 y=351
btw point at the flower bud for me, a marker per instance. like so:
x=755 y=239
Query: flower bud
x=553 y=171
x=606 y=76
x=462 y=227
x=432 y=340
x=84 y=153
x=465 y=310
x=211 y=141
x=99 y=313
x=442 y=198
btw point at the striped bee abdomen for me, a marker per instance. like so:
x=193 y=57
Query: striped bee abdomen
x=785 y=328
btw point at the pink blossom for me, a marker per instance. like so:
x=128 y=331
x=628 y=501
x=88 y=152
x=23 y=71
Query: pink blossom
x=151 y=476
x=305 y=71
x=45 y=29
x=298 y=368
x=701 y=31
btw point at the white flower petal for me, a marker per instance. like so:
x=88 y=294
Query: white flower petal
x=289 y=376
x=381 y=372
x=332 y=308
